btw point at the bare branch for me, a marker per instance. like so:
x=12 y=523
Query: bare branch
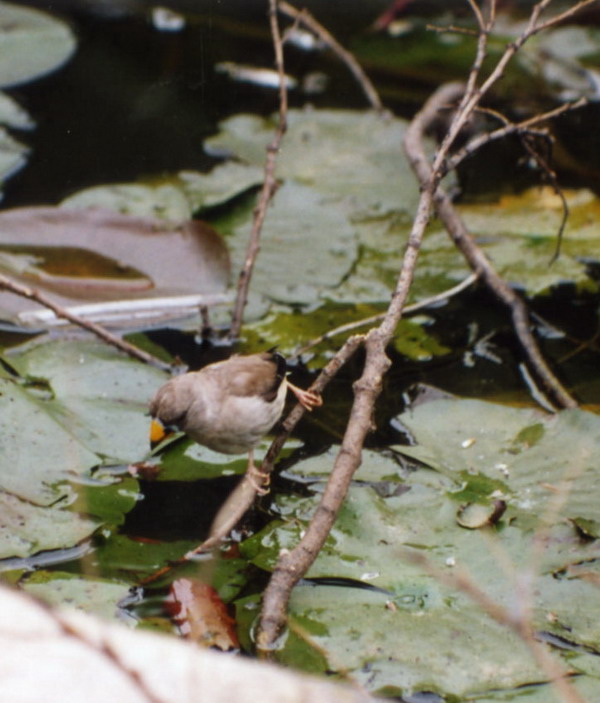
x=35 y=295
x=305 y=18
x=481 y=264
x=269 y=187
x=508 y=129
x=408 y=310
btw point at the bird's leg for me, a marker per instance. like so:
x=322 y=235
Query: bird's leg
x=256 y=478
x=309 y=400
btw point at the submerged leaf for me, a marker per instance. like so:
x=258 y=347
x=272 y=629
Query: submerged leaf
x=83 y=255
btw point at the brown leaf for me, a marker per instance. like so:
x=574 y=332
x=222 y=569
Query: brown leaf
x=83 y=255
x=201 y=615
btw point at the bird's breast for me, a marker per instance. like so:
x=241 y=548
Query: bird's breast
x=235 y=424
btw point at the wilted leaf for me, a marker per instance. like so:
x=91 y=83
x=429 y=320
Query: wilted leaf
x=83 y=255
x=201 y=615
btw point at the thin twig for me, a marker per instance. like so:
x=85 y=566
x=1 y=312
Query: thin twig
x=269 y=186
x=35 y=295
x=508 y=129
x=550 y=174
x=305 y=18
x=408 y=310
x=481 y=264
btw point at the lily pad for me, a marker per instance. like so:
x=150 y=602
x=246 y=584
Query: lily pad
x=26 y=528
x=387 y=608
x=99 y=397
x=38 y=451
x=33 y=44
x=352 y=158
x=307 y=246
x=91 y=595
x=462 y=437
x=164 y=201
x=519 y=235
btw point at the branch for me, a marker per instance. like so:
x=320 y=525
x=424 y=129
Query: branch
x=32 y=294
x=479 y=262
x=269 y=187
x=408 y=310
x=509 y=128
x=304 y=17
x=243 y=496
x=292 y=566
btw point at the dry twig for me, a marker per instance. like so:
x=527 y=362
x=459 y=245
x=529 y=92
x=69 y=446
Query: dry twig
x=269 y=187
x=304 y=17
x=32 y=294
x=408 y=310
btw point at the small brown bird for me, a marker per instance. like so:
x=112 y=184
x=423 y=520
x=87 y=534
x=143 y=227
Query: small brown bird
x=227 y=406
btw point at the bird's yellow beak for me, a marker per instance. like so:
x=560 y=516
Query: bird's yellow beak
x=158 y=432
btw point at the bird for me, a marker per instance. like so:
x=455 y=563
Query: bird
x=227 y=406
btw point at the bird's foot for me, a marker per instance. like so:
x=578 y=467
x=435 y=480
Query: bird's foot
x=309 y=400
x=259 y=480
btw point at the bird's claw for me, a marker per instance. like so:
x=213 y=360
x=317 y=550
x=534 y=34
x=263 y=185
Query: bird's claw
x=260 y=481
x=309 y=400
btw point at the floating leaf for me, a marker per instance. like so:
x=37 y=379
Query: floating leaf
x=26 y=528
x=351 y=158
x=92 y=595
x=99 y=396
x=561 y=462
x=33 y=44
x=307 y=246
x=378 y=631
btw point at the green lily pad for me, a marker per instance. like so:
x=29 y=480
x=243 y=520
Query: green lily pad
x=41 y=456
x=33 y=44
x=100 y=398
x=163 y=201
x=189 y=461
x=26 y=528
x=307 y=246
x=91 y=595
x=519 y=235
x=222 y=184
x=378 y=636
x=351 y=158
x=475 y=437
